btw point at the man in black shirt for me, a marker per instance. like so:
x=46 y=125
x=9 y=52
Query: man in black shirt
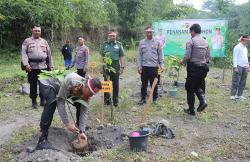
x=67 y=54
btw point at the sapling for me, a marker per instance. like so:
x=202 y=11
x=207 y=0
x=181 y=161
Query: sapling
x=173 y=62
x=107 y=66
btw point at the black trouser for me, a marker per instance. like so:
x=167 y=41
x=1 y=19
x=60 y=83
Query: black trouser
x=33 y=80
x=81 y=72
x=49 y=107
x=148 y=74
x=114 y=77
x=195 y=82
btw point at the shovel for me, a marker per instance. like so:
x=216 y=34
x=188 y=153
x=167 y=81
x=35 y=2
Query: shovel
x=148 y=102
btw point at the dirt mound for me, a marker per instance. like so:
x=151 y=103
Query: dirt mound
x=47 y=156
x=105 y=137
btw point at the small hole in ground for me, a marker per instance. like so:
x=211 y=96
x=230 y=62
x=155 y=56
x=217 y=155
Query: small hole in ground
x=105 y=137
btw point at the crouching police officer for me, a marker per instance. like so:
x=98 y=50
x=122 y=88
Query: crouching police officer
x=73 y=85
x=36 y=56
x=196 y=57
x=149 y=59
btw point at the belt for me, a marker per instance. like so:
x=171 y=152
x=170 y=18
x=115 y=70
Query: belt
x=37 y=60
x=199 y=64
x=243 y=67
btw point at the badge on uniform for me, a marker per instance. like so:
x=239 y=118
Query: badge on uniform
x=188 y=44
x=116 y=46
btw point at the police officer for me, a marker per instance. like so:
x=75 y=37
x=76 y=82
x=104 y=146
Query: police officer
x=73 y=85
x=196 y=57
x=36 y=56
x=149 y=59
x=81 y=58
x=114 y=49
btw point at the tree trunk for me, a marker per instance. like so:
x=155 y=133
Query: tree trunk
x=52 y=34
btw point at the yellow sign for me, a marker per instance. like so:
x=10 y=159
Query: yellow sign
x=92 y=64
x=106 y=86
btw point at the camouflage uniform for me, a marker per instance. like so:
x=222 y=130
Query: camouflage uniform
x=115 y=51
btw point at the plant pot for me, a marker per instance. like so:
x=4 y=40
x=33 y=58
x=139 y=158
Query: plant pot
x=138 y=142
x=180 y=83
x=173 y=92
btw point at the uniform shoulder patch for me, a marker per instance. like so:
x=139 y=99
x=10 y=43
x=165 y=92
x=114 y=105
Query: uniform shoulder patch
x=27 y=40
x=188 y=44
x=44 y=41
x=142 y=42
x=120 y=43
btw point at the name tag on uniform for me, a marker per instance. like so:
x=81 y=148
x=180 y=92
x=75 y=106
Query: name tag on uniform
x=116 y=47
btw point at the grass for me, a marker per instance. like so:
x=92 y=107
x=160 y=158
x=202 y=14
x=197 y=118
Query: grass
x=220 y=133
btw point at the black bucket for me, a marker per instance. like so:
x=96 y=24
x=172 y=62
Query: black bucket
x=138 y=143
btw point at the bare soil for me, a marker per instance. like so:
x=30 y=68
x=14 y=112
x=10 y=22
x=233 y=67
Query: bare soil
x=104 y=137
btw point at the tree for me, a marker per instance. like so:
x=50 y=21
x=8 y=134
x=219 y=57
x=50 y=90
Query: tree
x=61 y=19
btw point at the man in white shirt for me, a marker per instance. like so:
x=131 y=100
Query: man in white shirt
x=240 y=68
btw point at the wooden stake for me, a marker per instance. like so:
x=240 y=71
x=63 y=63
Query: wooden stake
x=149 y=100
x=111 y=108
x=102 y=109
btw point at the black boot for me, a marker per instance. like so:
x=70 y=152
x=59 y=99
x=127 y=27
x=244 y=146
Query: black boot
x=107 y=102
x=142 y=102
x=190 y=111
x=43 y=142
x=190 y=101
x=203 y=103
x=155 y=101
x=115 y=104
x=34 y=103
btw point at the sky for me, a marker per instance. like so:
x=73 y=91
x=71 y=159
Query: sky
x=198 y=3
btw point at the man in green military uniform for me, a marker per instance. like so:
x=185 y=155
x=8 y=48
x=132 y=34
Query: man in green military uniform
x=114 y=49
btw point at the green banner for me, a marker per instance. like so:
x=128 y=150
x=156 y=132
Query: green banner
x=174 y=35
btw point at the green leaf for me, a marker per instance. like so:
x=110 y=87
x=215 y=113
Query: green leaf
x=60 y=78
x=43 y=77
